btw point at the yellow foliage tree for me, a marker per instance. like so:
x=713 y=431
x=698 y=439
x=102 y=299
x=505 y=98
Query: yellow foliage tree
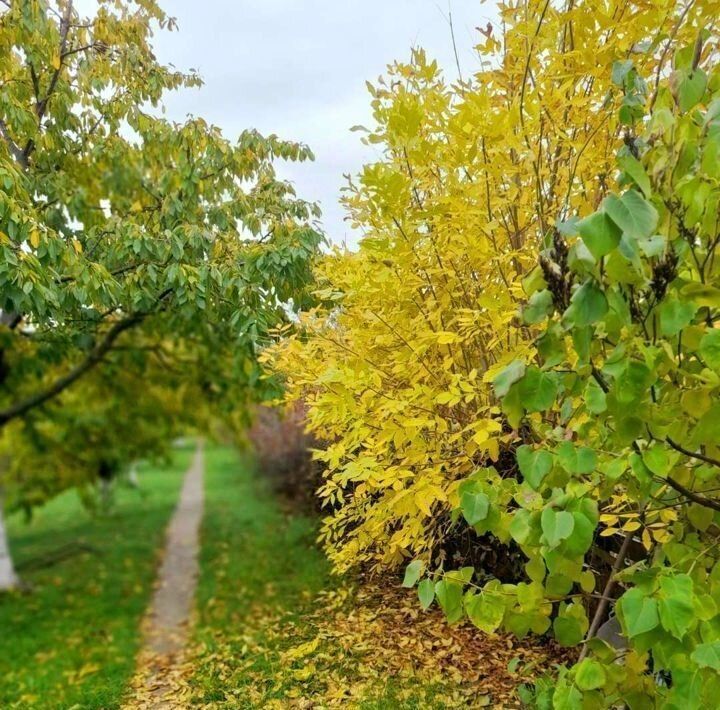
x=396 y=365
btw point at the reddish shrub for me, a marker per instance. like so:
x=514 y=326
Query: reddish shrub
x=282 y=448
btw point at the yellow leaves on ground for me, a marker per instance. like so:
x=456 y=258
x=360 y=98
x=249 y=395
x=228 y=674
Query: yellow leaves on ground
x=358 y=646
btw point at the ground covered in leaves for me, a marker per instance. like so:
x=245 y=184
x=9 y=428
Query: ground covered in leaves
x=274 y=630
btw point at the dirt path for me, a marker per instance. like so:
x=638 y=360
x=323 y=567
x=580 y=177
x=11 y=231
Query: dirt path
x=166 y=625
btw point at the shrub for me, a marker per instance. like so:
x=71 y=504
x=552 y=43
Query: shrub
x=396 y=367
x=618 y=425
x=490 y=367
x=282 y=449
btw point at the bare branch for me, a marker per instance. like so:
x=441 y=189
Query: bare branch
x=692 y=454
x=691 y=495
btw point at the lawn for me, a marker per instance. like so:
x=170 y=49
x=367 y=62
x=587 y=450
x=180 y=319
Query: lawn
x=256 y=562
x=70 y=642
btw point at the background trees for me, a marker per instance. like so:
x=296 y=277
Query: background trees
x=127 y=240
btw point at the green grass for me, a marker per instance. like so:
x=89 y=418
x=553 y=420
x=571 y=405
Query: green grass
x=255 y=559
x=265 y=591
x=70 y=642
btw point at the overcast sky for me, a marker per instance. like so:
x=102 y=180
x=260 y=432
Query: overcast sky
x=298 y=68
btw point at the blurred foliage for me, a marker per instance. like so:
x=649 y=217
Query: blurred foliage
x=129 y=244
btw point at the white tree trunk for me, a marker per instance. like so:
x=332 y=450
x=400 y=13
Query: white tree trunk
x=8 y=578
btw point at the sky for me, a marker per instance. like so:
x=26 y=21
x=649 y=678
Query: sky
x=298 y=68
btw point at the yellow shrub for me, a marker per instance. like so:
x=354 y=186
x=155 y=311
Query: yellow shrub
x=395 y=367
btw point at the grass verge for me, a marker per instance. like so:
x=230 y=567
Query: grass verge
x=70 y=642
x=256 y=562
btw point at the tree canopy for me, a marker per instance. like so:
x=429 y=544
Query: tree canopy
x=125 y=237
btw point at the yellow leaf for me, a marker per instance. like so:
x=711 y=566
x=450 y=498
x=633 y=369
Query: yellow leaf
x=607 y=532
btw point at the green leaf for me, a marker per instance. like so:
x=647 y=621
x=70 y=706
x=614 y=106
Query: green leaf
x=538 y=389
x=450 y=596
x=710 y=349
x=707 y=655
x=700 y=517
x=632 y=213
x=639 y=612
x=595 y=398
x=582 y=536
x=600 y=234
x=567 y=228
x=413 y=572
x=708 y=428
x=702 y=294
x=534 y=281
x=690 y=88
x=659 y=459
x=676 y=315
x=634 y=168
x=633 y=382
x=461 y=576
x=653 y=246
x=677 y=613
x=520 y=529
x=587 y=305
x=426 y=593
x=538 y=308
x=558 y=585
x=535 y=568
x=556 y=526
x=589 y=675
x=508 y=377
x=576 y=459
x=534 y=465
x=620 y=70
x=474 y=506
x=485 y=610
x=568 y=631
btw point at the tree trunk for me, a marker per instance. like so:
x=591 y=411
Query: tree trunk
x=8 y=578
x=133 y=475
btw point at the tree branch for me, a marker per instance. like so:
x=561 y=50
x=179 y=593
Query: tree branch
x=691 y=495
x=606 y=598
x=41 y=105
x=62 y=383
x=692 y=454
x=13 y=147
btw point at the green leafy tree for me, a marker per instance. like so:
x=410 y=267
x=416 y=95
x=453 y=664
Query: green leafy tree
x=121 y=230
x=95 y=432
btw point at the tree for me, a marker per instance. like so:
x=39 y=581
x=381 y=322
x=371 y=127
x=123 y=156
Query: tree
x=120 y=229
x=121 y=413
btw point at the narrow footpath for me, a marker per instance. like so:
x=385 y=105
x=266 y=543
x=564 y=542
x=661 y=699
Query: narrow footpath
x=165 y=628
